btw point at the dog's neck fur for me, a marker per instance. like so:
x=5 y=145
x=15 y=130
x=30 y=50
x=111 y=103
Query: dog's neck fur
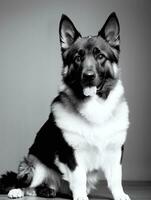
x=106 y=89
x=68 y=97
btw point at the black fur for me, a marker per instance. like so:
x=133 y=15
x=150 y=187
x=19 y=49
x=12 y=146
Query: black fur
x=44 y=191
x=122 y=153
x=50 y=143
x=9 y=181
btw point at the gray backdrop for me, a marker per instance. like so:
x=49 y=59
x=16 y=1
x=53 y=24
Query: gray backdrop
x=30 y=66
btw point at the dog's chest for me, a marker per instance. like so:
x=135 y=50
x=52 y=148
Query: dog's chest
x=98 y=122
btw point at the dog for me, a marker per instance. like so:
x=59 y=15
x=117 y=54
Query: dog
x=87 y=126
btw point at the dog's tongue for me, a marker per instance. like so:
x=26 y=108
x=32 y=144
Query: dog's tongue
x=89 y=91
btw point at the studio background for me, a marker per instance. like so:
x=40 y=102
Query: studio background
x=30 y=67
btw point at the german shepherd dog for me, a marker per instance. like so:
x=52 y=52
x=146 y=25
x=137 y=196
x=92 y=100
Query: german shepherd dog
x=87 y=127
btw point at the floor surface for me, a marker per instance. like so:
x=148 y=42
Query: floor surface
x=137 y=191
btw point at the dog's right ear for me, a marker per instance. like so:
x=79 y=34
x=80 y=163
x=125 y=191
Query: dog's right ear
x=67 y=32
x=111 y=30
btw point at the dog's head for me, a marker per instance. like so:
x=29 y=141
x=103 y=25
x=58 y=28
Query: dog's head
x=90 y=64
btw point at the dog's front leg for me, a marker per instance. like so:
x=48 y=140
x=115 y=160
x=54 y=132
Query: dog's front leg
x=78 y=183
x=113 y=172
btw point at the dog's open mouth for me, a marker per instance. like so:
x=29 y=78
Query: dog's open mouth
x=91 y=90
x=91 y=87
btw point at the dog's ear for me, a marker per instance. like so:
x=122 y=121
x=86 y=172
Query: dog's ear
x=67 y=32
x=111 y=30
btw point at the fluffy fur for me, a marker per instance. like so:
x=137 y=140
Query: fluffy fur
x=88 y=123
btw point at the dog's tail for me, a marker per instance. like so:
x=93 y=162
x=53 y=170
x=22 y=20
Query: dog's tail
x=8 y=181
x=23 y=178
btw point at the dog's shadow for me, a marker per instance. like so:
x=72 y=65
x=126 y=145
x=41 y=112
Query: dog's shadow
x=93 y=197
x=65 y=193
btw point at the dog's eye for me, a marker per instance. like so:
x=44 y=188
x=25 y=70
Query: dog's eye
x=97 y=54
x=100 y=56
x=77 y=59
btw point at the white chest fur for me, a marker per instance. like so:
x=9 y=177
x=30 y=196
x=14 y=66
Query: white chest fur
x=100 y=124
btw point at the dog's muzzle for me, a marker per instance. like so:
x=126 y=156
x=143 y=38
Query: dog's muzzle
x=89 y=75
x=89 y=83
x=89 y=78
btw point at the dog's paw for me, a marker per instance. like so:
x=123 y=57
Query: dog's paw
x=122 y=196
x=46 y=192
x=81 y=197
x=30 y=192
x=15 y=193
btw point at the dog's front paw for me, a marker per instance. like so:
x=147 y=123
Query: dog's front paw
x=15 y=193
x=122 y=196
x=80 y=197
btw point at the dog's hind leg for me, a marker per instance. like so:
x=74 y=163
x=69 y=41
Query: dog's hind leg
x=35 y=178
x=31 y=173
x=39 y=175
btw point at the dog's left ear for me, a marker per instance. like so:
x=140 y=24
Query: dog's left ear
x=111 y=30
x=67 y=32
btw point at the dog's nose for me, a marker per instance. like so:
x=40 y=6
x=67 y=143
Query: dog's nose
x=89 y=75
